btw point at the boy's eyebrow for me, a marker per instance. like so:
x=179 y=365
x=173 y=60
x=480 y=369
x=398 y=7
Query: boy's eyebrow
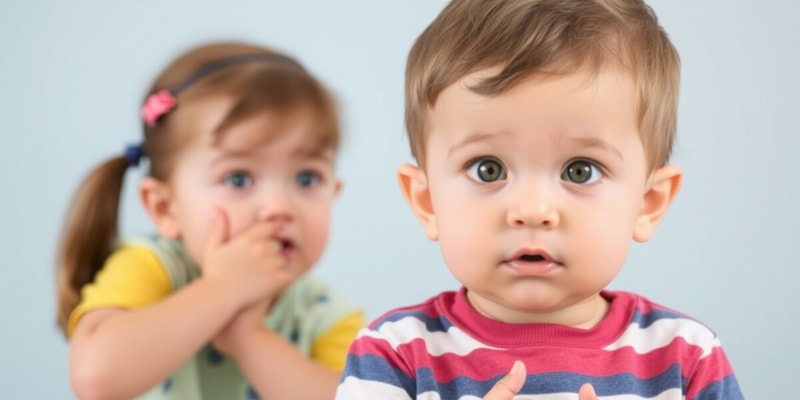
x=596 y=143
x=584 y=142
x=473 y=138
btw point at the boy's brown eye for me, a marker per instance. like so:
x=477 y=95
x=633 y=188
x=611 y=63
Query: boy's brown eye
x=581 y=172
x=487 y=170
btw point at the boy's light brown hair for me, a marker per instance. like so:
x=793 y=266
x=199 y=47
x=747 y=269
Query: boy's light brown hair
x=524 y=37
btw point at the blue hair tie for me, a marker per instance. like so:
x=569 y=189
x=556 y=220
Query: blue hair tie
x=134 y=154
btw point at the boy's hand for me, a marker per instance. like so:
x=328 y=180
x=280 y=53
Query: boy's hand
x=587 y=392
x=250 y=264
x=509 y=385
x=506 y=388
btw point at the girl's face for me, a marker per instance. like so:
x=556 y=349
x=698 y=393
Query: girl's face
x=267 y=166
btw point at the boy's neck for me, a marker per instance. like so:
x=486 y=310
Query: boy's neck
x=585 y=314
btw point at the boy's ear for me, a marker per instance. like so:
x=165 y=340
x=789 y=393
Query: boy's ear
x=156 y=197
x=664 y=185
x=414 y=185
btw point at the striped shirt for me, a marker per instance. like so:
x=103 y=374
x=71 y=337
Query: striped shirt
x=443 y=349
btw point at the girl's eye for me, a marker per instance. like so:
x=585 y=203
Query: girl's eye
x=308 y=178
x=581 y=172
x=239 y=179
x=486 y=170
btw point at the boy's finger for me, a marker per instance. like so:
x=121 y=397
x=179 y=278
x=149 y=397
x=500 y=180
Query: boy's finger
x=509 y=385
x=587 y=392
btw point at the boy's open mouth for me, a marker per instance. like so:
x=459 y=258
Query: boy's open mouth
x=532 y=257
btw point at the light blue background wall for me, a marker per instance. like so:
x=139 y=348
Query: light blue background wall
x=72 y=74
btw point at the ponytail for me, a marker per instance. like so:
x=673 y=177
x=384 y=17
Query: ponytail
x=88 y=235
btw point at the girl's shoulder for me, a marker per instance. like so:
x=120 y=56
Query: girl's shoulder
x=169 y=254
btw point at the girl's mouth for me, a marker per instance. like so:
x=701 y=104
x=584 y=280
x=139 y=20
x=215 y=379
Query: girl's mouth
x=287 y=248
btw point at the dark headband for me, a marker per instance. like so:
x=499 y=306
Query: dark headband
x=162 y=102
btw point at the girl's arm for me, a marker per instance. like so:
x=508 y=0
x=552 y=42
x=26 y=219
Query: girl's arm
x=277 y=370
x=119 y=354
x=272 y=365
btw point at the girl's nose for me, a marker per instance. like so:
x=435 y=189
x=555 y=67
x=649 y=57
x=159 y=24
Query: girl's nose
x=276 y=206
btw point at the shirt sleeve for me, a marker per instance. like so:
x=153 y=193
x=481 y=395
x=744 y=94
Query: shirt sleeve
x=713 y=378
x=132 y=277
x=330 y=348
x=374 y=370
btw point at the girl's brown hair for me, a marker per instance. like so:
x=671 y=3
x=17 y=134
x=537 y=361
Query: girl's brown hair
x=91 y=224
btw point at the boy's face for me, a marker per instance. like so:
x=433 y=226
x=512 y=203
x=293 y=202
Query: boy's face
x=249 y=179
x=535 y=194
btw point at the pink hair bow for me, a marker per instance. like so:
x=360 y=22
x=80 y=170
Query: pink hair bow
x=157 y=105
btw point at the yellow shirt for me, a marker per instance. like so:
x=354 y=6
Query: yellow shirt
x=133 y=277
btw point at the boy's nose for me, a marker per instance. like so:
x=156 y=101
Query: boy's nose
x=533 y=208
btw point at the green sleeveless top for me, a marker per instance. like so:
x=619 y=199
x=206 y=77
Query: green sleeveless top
x=307 y=309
